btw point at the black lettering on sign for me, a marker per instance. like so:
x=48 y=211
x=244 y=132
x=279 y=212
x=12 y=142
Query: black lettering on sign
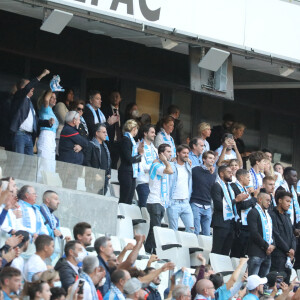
x=129 y=3
x=150 y=15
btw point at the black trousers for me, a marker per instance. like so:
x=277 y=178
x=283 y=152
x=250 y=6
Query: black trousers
x=156 y=212
x=278 y=264
x=114 y=149
x=127 y=186
x=222 y=240
x=240 y=242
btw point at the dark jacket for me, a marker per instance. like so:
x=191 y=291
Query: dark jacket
x=126 y=155
x=242 y=205
x=104 y=288
x=283 y=233
x=257 y=245
x=177 y=132
x=217 y=217
x=66 y=273
x=152 y=294
x=70 y=137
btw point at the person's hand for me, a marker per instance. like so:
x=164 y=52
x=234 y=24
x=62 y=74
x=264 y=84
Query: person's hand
x=242 y=293
x=284 y=287
x=7 y=198
x=17 y=213
x=173 y=159
x=11 y=254
x=212 y=170
x=202 y=259
x=250 y=190
x=243 y=260
x=51 y=121
x=141 y=148
x=45 y=72
x=57 y=232
x=291 y=253
x=129 y=247
x=241 y=197
x=270 y=249
x=190 y=162
x=14 y=240
x=140 y=238
x=226 y=143
x=67 y=238
x=153 y=258
x=256 y=192
x=245 y=276
x=113 y=119
x=35 y=235
x=77 y=148
x=163 y=158
x=297 y=232
x=168 y=266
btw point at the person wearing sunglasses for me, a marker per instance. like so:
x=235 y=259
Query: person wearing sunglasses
x=78 y=106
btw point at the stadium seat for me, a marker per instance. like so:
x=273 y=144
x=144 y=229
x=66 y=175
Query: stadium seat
x=221 y=264
x=124 y=227
x=167 y=247
x=205 y=242
x=140 y=225
x=190 y=241
x=116 y=244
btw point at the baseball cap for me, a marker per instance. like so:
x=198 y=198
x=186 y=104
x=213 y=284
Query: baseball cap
x=132 y=285
x=254 y=281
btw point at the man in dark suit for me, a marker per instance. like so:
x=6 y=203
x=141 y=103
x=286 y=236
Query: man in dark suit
x=97 y=156
x=115 y=130
x=224 y=211
x=24 y=122
x=261 y=243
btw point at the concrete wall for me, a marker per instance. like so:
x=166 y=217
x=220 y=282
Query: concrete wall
x=76 y=206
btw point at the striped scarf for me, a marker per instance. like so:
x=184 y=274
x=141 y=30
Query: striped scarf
x=244 y=212
x=133 y=153
x=26 y=215
x=88 y=280
x=266 y=223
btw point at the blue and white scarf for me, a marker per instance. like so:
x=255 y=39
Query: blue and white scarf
x=164 y=182
x=133 y=153
x=88 y=279
x=244 y=212
x=229 y=211
x=52 y=221
x=82 y=120
x=266 y=223
x=149 y=153
x=26 y=216
x=97 y=144
x=169 y=140
x=294 y=203
x=255 y=181
x=114 y=290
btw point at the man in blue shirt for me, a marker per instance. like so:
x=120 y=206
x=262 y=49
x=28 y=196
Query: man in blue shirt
x=195 y=155
x=10 y=279
x=255 y=286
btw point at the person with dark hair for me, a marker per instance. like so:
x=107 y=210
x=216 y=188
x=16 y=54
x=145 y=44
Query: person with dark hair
x=257 y=162
x=44 y=249
x=37 y=290
x=225 y=212
x=174 y=112
x=97 y=156
x=241 y=238
x=10 y=279
x=82 y=232
x=152 y=288
x=131 y=112
x=78 y=105
x=159 y=191
x=203 y=178
x=24 y=121
x=261 y=242
x=164 y=135
x=58 y=293
x=67 y=267
x=215 y=139
x=149 y=155
x=197 y=147
x=285 y=241
x=118 y=278
x=180 y=183
x=114 y=131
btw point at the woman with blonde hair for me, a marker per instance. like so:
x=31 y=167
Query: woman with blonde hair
x=204 y=131
x=51 y=277
x=130 y=155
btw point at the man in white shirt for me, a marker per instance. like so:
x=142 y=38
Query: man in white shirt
x=257 y=160
x=36 y=264
x=159 y=191
x=180 y=183
x=31 y=220
x=150 y=154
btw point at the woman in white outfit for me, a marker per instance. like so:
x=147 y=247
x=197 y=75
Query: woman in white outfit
x=46 y=143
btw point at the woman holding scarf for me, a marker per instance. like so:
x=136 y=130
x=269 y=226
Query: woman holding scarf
x=130 y=155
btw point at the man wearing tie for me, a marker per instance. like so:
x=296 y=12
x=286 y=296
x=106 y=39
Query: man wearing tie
x=24 y=119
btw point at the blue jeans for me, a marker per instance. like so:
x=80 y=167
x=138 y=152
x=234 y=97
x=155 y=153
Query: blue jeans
x=202 y=217
x=143 y=193
x=259 y=266
x=23 y=143
x=182 y=209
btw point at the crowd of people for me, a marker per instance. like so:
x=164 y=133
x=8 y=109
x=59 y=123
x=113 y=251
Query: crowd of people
x=203 y=180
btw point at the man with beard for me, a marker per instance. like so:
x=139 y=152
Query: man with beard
x=180 y=191
x=269 y=188
x=225 y=212
x=82 y=232
x=152 y=288
x=150 y=154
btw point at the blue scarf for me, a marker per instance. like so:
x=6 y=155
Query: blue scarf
x=49 y=216
x=164 y=181
x=134 y=153
x=255 y=179
x=229 y=211
x=26 y=216
x=102 y=117
x=88 y=279
x=245 y=212
x=117 y=292
x=266 y=223
x=169 y=141
x=149 y=153
x=97 y=144
x=294 y=203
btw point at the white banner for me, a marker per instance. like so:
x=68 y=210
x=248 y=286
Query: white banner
x=269 y=27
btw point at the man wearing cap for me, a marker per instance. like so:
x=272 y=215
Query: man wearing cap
x=133 y=289
x=255 y=286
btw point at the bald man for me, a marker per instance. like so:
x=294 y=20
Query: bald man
x=205 y=290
